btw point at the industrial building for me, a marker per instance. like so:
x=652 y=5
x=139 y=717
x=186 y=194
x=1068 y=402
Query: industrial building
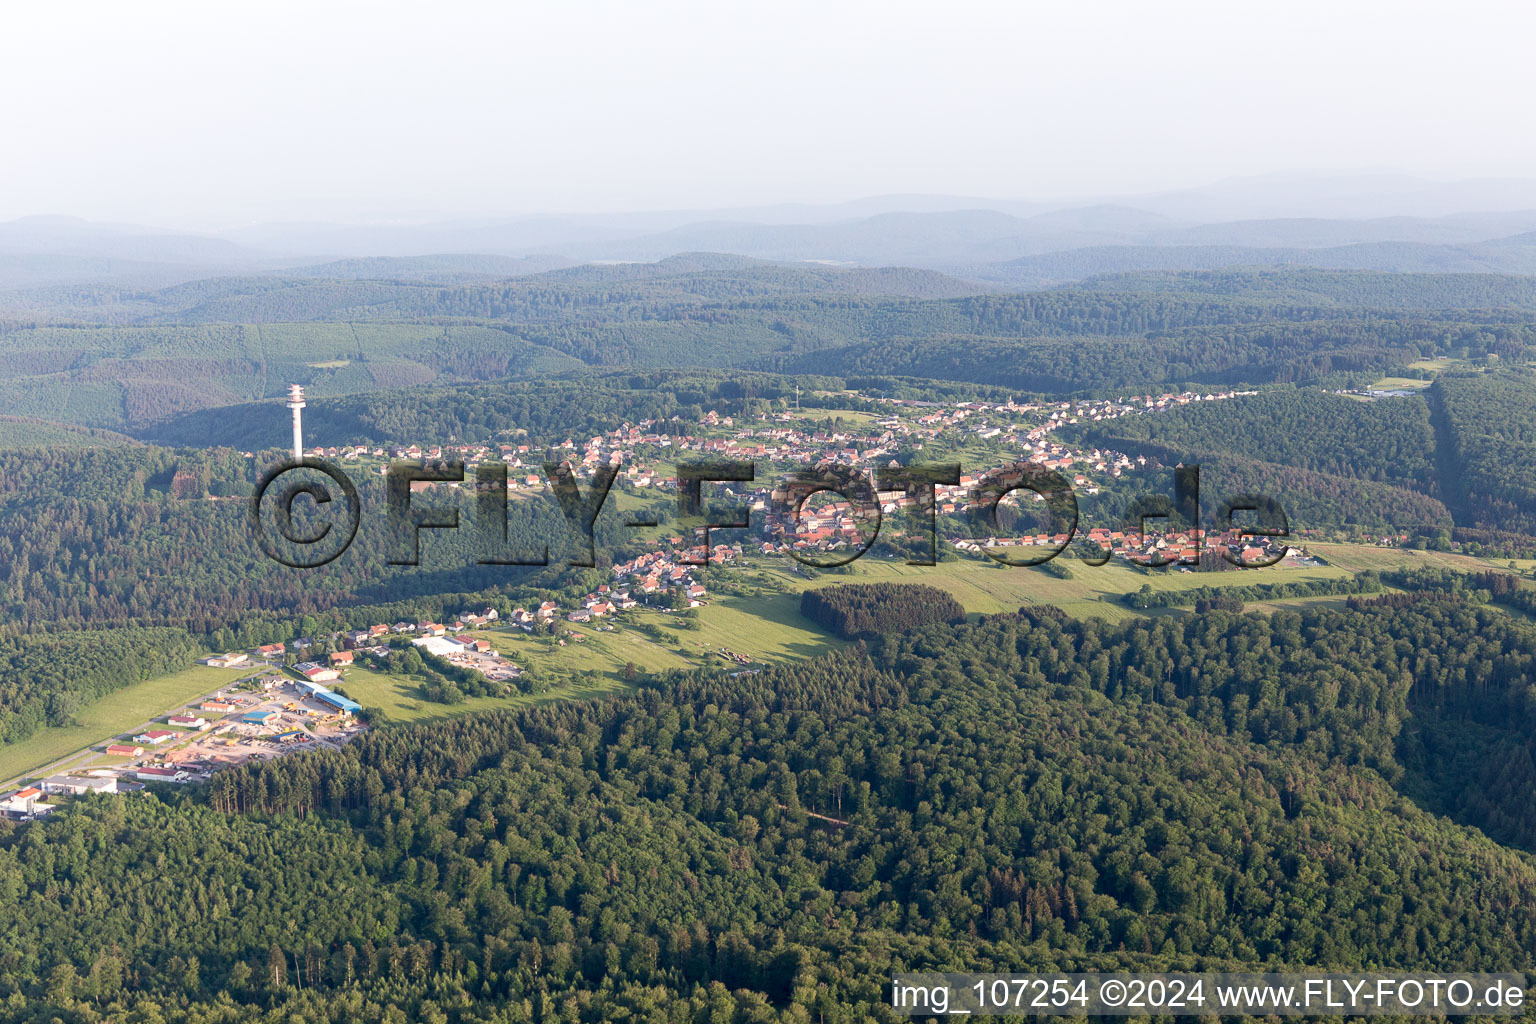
x=331 y=698
x=24 y=805
x=316 y=672
x=342 y=704
x=74 y=785
x=161 y=774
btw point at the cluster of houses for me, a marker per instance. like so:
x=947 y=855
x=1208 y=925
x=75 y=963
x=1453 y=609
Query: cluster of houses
x=781 y=438
x=1151 y=548
x=438 y=638
x=1024 y=427
x=671 y=571
x=442 y=639
x=656 y=573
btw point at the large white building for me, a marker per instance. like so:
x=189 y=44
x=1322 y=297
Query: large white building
x=74 y=785
x=438 y=645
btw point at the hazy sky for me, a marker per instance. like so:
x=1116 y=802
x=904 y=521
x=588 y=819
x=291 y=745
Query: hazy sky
x=221 y=113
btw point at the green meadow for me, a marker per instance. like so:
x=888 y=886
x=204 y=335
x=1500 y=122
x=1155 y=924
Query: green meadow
x=111 y=716
x=985 y=587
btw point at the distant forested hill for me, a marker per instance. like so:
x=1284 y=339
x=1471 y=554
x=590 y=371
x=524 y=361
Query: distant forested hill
x=1492 y=258
x=448 y=268
x=1361 y=288
x=1466 y=450
x=155 y=355
x=1256 y=353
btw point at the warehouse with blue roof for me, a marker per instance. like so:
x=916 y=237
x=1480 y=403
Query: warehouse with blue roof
x=343 y=704
x=331 y=698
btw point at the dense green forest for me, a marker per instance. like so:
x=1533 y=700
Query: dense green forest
x=1488 y=435
x=1031 y=792
x=1312 y=500
x=547 y=410
x=867 y=609
x=1127 y=347
x=1362 y=288
x=1330 y=460
x=1387 y=441
x=151 y=536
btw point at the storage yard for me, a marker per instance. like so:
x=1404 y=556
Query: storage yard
x=257 y=718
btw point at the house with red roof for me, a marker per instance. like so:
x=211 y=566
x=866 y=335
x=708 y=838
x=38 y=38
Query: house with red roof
x=154 y=737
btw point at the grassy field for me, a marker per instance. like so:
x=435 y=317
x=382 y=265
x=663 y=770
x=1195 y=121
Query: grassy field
x=765 y=627
x=113 y=715
x=1296 y=604
x=1400 y=384
x=1360 y=557
x=601 y=653
x=399 y=699
x=853 y=417
x=985 y=587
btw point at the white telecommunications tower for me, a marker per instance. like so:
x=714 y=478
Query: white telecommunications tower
x=296 y=403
